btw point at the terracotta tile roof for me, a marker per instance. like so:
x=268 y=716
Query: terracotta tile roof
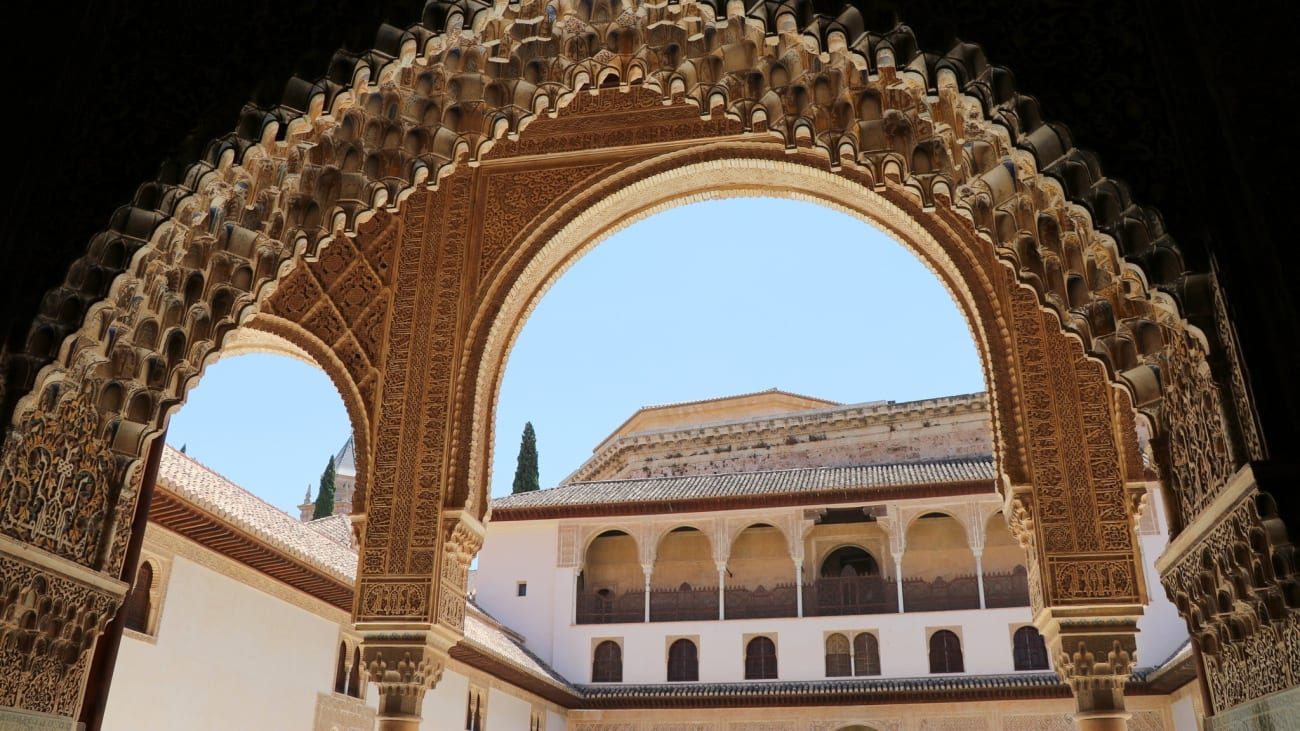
x=804 y=482
x=824 y=688
x=325 y=544
x=488 y=635
x=196 y=483
x=337 y=528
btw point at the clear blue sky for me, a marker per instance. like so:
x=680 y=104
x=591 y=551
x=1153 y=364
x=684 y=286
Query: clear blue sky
x=702 y=301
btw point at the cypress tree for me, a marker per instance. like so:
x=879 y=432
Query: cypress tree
x=325 y=498
x=526 y=477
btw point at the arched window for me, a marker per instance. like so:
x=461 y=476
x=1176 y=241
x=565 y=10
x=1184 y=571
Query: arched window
x=849 y=561
x=683 y=661
x=137 y=602
x=355 y=688
x=866 y=654
x=760 y=659
x=1028 y=649
x=838 y=662
x=474 y=712
x=341 y=671
x=945 y=653
x=607 y=663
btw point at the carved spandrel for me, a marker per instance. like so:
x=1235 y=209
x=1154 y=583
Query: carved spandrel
x=513 y=199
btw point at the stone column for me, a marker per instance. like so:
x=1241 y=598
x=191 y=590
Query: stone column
x=798 y=588
x=647 y=570
x=573 y=596
x=979 y=574
x=722 y=590
x=409 y=625
x=898 y=579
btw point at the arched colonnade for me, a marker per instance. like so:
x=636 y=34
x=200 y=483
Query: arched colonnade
x=787 y=563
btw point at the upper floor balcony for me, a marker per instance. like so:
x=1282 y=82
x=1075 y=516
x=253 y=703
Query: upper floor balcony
x=823 y=565
x=823 y=597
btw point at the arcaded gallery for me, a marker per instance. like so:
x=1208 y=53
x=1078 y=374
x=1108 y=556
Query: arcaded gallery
x=1099 y=539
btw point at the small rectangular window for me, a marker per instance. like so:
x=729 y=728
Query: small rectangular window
x=521 y=588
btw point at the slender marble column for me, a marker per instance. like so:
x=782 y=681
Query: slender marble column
x=979 y=575
x=898 y=579
x=798 y=588
x=647 y=570
x=722 y=590
x=573 y=608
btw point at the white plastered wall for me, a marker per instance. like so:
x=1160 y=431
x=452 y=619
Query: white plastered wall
x=225 y=655
x=525 y=551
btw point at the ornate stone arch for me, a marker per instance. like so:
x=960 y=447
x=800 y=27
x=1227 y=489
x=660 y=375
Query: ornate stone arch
x=358 y=209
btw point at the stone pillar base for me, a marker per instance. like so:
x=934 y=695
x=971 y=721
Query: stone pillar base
x=1102 y=721
x=393 y=723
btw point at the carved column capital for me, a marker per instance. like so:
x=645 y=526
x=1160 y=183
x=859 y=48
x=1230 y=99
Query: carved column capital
x=1096 y=655
x=403 y=666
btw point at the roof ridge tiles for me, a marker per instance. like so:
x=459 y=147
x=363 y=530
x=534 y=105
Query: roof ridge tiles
x=788 y=470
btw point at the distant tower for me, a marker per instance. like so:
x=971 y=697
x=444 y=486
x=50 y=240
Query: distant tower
x=307 y=508
x=345 y=478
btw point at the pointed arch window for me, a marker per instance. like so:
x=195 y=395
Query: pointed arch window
x=355 y=687
x=607 y=663
x=341 y=670
x=683 y=661
x=945 y=653
x=1029 y=650
x=760 y=659
x=138 y=601
x=866 y=654
x=838 y=662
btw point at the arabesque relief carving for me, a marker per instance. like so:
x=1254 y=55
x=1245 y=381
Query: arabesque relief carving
x=48 y=623
x=1237 y=589
x=462 y=544
x=55 y=483
x=1195 y=435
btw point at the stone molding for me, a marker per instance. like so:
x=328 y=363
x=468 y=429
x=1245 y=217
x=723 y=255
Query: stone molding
x=830 y=418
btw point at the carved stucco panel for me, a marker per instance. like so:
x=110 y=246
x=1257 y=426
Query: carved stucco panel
x=58 y=482
x=48 y=623
x=1040 y=722
x=954 y=723
x=341 y=713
